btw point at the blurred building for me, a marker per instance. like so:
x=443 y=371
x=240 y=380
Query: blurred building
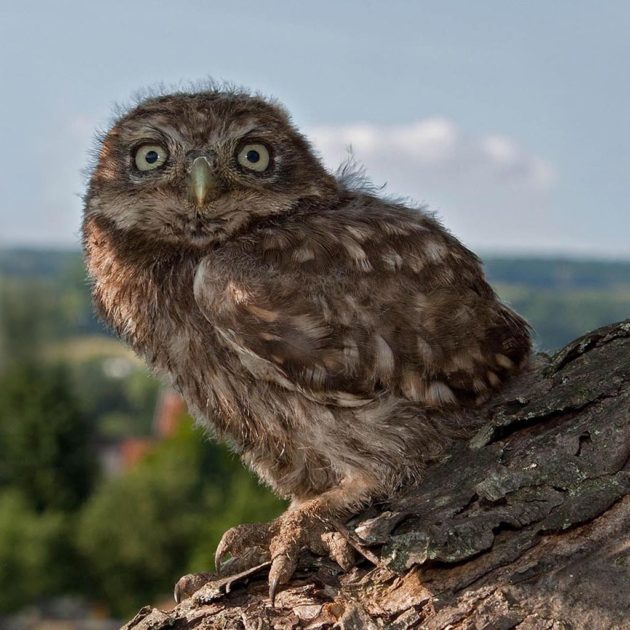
x=117 y=457
x=169 y=411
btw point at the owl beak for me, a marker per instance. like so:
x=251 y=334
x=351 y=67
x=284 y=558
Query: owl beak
x=202 y=184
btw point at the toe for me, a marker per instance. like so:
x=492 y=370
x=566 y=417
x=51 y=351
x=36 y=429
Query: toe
x=242 y=546
x=190 y=584
x=246 y=559
x=285 y=549
x=339 y=549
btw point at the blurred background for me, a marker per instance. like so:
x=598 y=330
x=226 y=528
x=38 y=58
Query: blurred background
x=510 y=120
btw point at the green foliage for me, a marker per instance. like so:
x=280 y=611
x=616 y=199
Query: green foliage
x=45 y=445
x=43 y=296
x=558 y=316
x=562 y=299
x=141 y=531
x=558 y=273
x=25 y=263
x=37 y=558
x=24 y=318
x=122 y=404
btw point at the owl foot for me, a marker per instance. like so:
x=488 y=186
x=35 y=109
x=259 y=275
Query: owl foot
x=243 y=547
x=281 y=542
x=299 y=529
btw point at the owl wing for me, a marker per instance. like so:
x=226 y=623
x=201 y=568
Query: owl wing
x=352 y=308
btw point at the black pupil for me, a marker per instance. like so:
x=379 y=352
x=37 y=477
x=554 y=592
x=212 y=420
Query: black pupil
x=151 y=157
x=253 y=156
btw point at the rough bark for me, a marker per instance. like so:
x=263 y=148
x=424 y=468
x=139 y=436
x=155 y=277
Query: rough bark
x=525 y=526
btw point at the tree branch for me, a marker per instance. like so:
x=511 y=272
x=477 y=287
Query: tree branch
x=525 y=526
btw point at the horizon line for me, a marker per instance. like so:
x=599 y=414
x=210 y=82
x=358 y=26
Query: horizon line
x=482 y=252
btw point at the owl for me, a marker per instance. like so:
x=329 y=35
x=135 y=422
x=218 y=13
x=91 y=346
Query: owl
x=337 y=340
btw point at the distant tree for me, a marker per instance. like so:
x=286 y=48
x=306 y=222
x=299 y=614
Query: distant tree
x=37 y=554
x=23 y=321
x=46 y=449
x=44 y=299
x=559 y=315
x=141 y=531
x=120 y=406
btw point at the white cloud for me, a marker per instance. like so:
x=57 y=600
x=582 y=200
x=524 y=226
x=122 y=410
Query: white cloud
x=426 y=140
x=489 y=189
x=436 y=144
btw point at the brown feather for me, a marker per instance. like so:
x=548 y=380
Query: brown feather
x=327 y=334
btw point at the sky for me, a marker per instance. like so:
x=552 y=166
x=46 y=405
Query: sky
x=510 y=120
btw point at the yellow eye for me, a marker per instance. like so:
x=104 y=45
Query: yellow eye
x=150 y=156
x=254 y=157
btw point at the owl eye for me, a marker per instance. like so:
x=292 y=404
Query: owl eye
x=150 y=156
x=254 y=157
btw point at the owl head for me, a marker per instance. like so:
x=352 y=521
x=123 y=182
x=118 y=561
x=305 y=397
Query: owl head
x=191 y=169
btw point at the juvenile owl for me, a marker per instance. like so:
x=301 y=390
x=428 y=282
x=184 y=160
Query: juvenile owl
x=334 y=338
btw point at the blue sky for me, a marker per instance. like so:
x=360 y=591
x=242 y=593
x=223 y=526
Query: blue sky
x=510 y=119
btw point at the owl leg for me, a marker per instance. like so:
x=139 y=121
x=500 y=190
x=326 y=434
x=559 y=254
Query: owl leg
x=308 y=524
x=312 y=524
x=249 y=545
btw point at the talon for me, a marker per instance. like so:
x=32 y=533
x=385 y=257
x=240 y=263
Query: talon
x=273 y=587
x=181 y=589
x=227 y=541
x=281 y=571
x=189 y=584
x=352 y=544
x=219 y=560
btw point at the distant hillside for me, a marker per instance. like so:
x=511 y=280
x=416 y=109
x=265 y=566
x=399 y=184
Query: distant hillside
x=561 y=298
x=36 y=263
x=558 y=273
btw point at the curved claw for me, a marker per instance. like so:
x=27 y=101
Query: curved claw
x=273 y=587
x=282 y=569
x=189 y=584
x=225 y=546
